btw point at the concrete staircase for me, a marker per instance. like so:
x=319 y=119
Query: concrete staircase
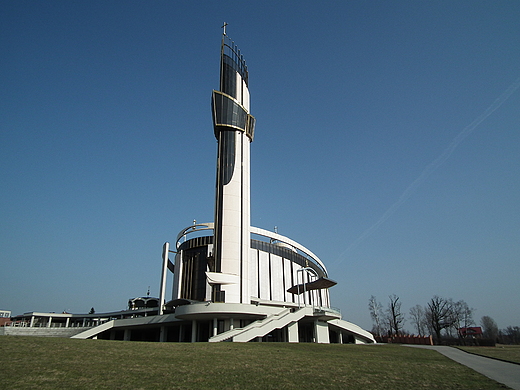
x=262 y=327
x=41 y=332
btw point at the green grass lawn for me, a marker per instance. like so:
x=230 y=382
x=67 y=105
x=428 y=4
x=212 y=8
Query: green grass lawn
x=58 y=363
x=510 y=353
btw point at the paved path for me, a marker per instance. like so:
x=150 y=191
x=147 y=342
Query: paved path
x=503 y=372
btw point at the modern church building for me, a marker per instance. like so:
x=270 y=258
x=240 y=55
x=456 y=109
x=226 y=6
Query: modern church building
x=231 y=281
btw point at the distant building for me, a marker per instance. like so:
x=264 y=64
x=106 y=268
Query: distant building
x=5 y=317
x=143 y=303
x=231 y=281
x=472 y=331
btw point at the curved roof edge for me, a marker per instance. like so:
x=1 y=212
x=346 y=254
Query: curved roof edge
x=287 y=240
x=261 y=232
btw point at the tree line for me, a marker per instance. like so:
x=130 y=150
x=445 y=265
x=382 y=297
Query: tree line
x=440 y=318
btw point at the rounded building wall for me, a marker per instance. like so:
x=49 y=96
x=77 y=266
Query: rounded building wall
x=272 y=270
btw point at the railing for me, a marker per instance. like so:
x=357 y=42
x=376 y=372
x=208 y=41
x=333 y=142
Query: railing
x=191 y=230
x=232 y=51
x=332 y=310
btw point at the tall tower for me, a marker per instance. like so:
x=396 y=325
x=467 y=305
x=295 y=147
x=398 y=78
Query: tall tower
x=234 y=130
x=228 y=272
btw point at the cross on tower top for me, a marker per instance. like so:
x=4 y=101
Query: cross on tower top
x=224 y=27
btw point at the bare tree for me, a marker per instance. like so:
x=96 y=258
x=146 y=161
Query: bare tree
x=439 y=315
x=489 y=327
x=418 y=317
x=395 y=317
x=511 y=334
x=462 y=315
x=376 y=312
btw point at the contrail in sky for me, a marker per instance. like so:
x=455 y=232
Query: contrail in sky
x=433 y=166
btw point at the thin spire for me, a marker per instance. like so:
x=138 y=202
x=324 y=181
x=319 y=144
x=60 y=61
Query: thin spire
x=224 y=27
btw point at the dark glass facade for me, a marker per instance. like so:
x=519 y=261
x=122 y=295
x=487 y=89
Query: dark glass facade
x=228 y=112
x=227 y=155
x=229 y=115
x=195 y=263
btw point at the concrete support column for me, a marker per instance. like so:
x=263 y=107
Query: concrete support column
x=162 y=334
x=231 y=324
x=292 y=329
x=340 y=337
x=67 y=322
x=32 y=321
x=215 y=326
x=49 y=322
x=321 y=332
x=162 y=292
x=193 y=331
x=84 y=319
x=127 y=335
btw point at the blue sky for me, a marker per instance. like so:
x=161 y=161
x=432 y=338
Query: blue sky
x=107 y=148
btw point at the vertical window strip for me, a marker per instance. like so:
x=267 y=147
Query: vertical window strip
x=258 y=271
x=270 y=279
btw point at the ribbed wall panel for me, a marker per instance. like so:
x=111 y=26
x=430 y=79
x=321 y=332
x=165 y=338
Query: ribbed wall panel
x=253 y=273
x=277 y=278
x=288 y=297
x=264 y=277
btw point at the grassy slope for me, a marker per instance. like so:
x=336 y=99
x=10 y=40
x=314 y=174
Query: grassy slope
x=509 y=353
x=45 y=363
